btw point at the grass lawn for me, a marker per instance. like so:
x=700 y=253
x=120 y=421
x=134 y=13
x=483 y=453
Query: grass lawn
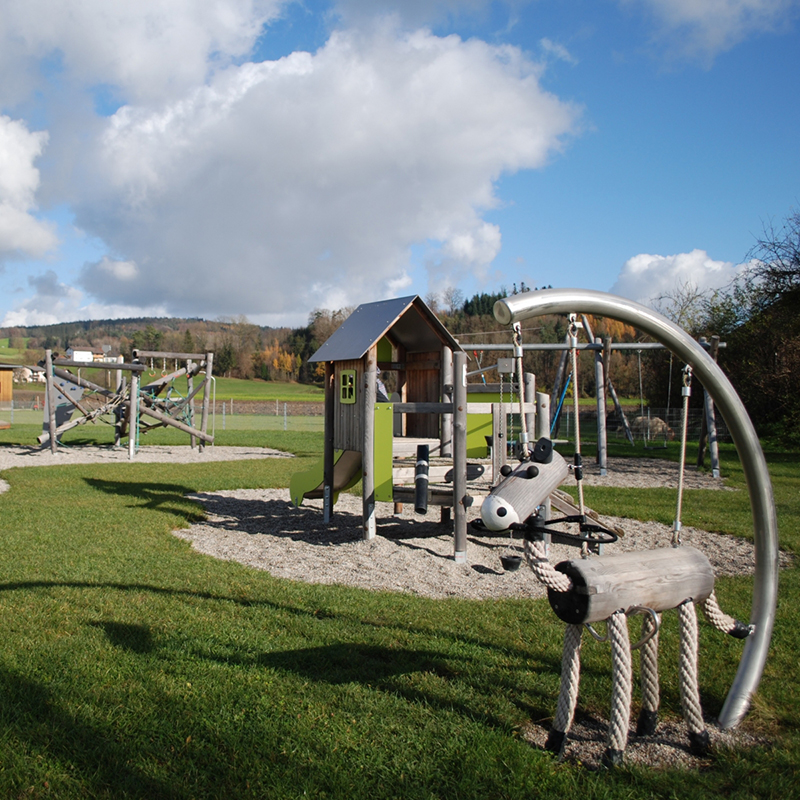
x=266 y=391
x=134 y=667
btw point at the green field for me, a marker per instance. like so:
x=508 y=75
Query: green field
x=135 y=667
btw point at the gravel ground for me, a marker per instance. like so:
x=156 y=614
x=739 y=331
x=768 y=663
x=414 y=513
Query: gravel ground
x=412 y=553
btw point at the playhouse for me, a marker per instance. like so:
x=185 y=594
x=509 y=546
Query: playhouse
x=395 y=379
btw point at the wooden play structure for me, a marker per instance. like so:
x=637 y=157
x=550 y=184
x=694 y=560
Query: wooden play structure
x=147 y=399
x=367 y=438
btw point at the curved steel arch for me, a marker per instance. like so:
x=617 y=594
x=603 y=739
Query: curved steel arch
x=765 y=526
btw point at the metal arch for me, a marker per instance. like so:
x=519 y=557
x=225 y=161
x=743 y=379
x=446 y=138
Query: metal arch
x=765 y=527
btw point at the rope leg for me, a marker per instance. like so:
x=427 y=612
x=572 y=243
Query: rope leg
x=620 y=688
x=690 y=695
x=568 y=695
x=648 y=716
x=724 y=622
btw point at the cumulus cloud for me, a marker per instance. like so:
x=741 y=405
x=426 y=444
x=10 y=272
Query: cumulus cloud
x=21 y=233
x=150 y=49
x=304 y=182
x=646 y=277
x=704 y=28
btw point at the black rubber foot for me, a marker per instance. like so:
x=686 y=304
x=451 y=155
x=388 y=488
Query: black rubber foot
x=741 y=630
x=613 y=758
x=555 y=741
x=647 y=723
x=699 y=743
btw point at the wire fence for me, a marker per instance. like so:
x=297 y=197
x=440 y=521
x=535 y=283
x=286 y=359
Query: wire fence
x=653 y=426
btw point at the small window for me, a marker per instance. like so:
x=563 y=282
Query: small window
x=347 y=388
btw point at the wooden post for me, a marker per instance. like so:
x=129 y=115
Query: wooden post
x=133 y=422
x=51 y=399
x=119 y=388
x=460 y=455
x=327 y=453
x=446 y=446
x=206 y=396
x=499 y=440
x=368 y=446
x=542 y=416
x=529 y=396
x=189 y=392
x=602 y=441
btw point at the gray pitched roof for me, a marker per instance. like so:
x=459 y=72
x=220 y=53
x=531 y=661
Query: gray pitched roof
x=412 y=324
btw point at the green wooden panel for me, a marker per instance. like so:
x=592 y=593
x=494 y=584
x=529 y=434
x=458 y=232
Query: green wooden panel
x=384 y=350
x=479 y=426
x=382 y=443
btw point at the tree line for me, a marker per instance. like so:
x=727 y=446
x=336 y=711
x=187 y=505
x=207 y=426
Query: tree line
x=756 y=316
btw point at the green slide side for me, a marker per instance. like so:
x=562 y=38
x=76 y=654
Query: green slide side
x=346 y=473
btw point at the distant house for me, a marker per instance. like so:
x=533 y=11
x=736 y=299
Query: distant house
x=80 y=355
x=88 y=356
x=29 y=375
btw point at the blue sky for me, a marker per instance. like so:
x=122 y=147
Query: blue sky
x=268 y=157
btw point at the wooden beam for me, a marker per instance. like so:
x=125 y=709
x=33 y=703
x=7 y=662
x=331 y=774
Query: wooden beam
x=109 y=365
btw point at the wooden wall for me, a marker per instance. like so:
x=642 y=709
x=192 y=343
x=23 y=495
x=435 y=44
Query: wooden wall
x=348 y=417
x=6 y=385
x=423 y=385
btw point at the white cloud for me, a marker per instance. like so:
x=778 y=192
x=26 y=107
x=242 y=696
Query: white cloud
x=54 y=301
x=704 y=28
x=21 y=233
x=413 y=13
x=557 y=51
x=225 y=199
x=150 y=49
x=646 y=277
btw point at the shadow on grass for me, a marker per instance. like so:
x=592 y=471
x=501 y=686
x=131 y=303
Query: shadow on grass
x=312 y=612
x=416 y=675
x=169 y=498
x=135 y=638
x=31 y=714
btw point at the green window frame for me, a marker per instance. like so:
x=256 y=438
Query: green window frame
x=347 y=387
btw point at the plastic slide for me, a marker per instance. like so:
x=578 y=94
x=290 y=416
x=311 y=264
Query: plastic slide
x=346 y=473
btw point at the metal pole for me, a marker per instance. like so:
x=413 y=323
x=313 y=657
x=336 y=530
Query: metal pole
x=446 y=448
x=754 y=465
x=368 y=447
x=460 y=456
x=327 y=452
x=602 y=441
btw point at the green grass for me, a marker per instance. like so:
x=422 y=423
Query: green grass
x=266 y=391
x=134 y=667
